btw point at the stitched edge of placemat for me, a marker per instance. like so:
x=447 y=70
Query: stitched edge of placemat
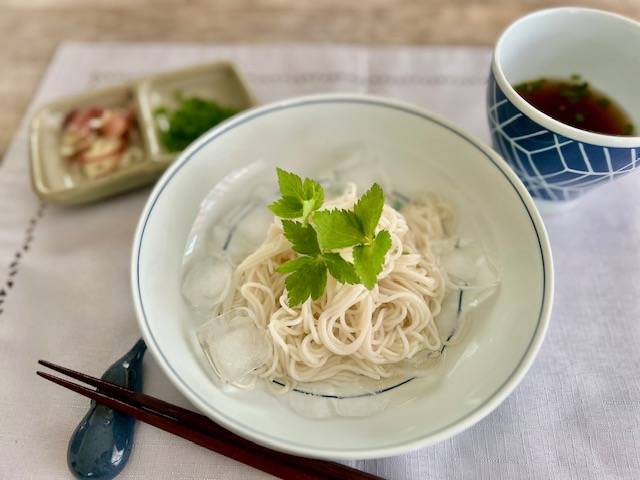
x=20 y=252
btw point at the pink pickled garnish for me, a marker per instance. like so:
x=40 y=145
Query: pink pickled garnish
x=85 y=126
x=117 y=122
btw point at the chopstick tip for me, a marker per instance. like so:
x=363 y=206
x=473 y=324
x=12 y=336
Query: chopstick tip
x=47 y=376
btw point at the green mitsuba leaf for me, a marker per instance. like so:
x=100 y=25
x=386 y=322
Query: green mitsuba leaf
x=299 y=198
x=290 y=184
x=338 y=229
x=287 y=207
x=309 y=279
x=302 y=237
x=295 y=264
x=340 y=269
x=368 y=209
x=368 y=259
x=313 y=192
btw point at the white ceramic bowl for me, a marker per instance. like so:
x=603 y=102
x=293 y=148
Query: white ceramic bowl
x=421 y=151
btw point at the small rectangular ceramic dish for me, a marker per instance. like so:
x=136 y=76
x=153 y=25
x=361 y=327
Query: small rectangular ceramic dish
x=67 y=168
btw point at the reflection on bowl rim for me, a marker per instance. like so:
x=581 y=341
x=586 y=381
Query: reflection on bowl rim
x=540 y=117
x=443 y=433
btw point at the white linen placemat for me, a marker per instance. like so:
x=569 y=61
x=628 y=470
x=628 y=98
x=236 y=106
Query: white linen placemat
x=66 y=298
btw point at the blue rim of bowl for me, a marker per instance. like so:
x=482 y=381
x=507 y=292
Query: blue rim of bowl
x=422 y=440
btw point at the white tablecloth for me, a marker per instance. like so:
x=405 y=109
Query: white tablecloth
x=65 y=296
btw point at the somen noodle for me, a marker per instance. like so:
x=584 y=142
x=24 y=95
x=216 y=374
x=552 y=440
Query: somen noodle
x=349 y=330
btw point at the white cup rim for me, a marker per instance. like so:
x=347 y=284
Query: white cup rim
x=537 y=115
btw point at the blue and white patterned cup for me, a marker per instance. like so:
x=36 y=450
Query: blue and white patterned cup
x=557 y=162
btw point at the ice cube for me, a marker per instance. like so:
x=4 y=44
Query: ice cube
x=218 y=237
x=207 y=282
x=234 y=345
x=424 y=364
x=248 y=231
x=362 y=406
x=361 y=165
x=310 y=405
x=321 y=400
x=467 y=265
x=448 y=320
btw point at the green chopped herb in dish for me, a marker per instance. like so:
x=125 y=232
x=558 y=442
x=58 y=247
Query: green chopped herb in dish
x=193 y=116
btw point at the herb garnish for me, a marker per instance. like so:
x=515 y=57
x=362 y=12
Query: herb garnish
x=193 y=116
x=315 y=235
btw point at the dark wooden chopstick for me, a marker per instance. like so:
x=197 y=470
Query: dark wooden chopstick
x=201 y=430
x=211 y=442
x=188 y=417
x=201 y=423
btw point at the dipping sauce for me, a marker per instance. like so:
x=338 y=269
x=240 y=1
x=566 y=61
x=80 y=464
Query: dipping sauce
x=574 y=102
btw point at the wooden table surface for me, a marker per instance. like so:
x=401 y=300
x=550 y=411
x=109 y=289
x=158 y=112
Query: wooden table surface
x=31 y=29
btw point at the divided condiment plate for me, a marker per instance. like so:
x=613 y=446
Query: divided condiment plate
x=59 y=179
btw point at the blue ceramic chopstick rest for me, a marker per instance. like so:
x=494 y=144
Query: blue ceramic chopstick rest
x=100 y=446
